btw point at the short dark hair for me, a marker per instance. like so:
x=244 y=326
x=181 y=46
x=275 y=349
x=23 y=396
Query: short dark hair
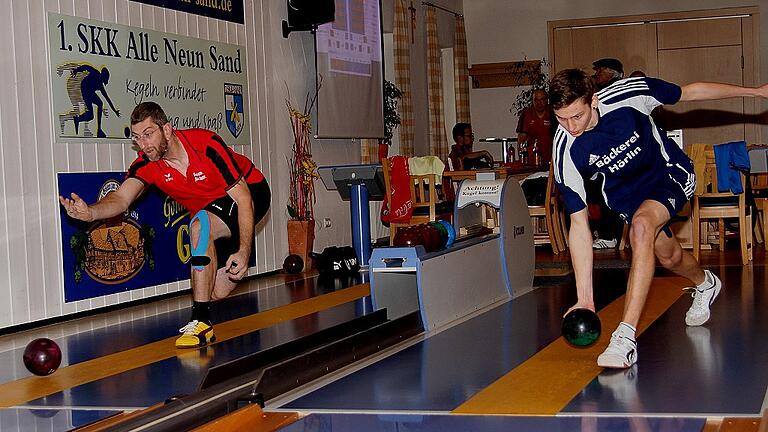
x=610 y=63
x=147 y=110
x=459 y=128
x=568 y=86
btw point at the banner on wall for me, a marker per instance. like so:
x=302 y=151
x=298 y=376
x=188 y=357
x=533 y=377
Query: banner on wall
x=146 y=246
x=228 y=10
x=101 y=71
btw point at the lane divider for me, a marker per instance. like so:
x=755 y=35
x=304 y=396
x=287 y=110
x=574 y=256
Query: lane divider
x=27 y=389
x=545 y=383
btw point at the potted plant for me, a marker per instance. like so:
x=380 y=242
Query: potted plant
x=391 y=117
x=539 y=79
x=303 y=172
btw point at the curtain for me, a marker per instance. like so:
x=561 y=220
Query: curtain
x=438 y=145
x=369 y=151
x=461 y=72
x=402 y=54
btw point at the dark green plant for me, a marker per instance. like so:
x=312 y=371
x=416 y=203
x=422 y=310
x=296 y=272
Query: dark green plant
x=539 y=79
x=392 y=95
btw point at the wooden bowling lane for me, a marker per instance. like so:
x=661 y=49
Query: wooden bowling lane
x=717 y=369
x=545 y=383
x=328 y=422
x=53 y=420
x=443 y=371
x=31 y=388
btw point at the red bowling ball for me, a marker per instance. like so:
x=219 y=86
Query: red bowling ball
x=42 y=356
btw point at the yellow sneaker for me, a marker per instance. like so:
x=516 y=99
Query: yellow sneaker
x=196 y=334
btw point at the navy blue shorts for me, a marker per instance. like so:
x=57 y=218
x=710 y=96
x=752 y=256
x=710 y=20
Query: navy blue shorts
x=672 y=191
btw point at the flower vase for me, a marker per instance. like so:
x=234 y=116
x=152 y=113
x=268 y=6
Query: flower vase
x=301 y=238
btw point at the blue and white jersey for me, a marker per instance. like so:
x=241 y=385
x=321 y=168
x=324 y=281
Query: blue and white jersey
x=625 y=151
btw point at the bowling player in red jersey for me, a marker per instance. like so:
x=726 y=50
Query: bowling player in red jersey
x=225 y=194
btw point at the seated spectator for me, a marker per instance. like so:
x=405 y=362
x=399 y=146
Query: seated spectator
x=462 y=156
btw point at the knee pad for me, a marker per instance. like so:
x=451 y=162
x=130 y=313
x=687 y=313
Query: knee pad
x=199 y=259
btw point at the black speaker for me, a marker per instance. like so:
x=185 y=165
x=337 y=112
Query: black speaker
x=306 y=15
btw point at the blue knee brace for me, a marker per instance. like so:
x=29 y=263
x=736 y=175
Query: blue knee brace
x=199 y=259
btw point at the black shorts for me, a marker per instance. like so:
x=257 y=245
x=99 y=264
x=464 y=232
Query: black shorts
x=225 y=208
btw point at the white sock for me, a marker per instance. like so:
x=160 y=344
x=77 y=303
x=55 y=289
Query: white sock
x=626 y=330
x=708 y=282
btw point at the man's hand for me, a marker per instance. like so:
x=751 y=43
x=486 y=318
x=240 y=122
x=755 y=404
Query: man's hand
x=580 y=306
x=237 y=265
x=76 y=208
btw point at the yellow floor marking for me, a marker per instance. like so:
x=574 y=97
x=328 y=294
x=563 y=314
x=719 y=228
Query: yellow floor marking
x=546 y=383
x=27 y=389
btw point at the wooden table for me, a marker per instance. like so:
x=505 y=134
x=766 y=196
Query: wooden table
x=501 y=172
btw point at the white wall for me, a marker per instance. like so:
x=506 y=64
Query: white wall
x=502 y=31
x=30 y=241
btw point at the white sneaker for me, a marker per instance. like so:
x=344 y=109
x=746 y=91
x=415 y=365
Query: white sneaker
x=603 y=244
x=621 y=353
x=703 y=298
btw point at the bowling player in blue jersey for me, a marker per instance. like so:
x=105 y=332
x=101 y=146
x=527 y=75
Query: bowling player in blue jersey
x=610 y=136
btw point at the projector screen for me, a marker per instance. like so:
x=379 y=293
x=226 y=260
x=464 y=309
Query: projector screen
x=350 y=72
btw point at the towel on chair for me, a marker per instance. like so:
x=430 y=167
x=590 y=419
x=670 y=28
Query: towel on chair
x=731 y=160
x=424 y=165
x=401 y=207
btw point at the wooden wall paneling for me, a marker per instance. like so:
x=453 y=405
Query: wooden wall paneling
x=652 y=52
x=699 y=33
x=710 y=121
x=17 y=143
x=31 y=283
x=45 y=145
x=561 y=50
x=8 y=185
x=27 y=231
x=753 y=133
x=628 y=43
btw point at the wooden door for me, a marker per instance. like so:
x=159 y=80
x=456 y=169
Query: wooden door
x=703 y=50
x=578 y=47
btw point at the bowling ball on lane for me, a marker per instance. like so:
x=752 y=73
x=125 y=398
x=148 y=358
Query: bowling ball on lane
x=293 y=264
x=581 y=327
x=42 y=356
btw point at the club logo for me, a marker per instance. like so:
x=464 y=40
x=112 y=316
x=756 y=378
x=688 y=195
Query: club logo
x=233 y=108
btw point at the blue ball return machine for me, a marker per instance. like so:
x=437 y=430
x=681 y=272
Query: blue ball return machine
x=491 y=261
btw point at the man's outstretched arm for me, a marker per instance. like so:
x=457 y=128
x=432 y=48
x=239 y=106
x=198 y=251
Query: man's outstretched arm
x=111 y=205
x=700 y=91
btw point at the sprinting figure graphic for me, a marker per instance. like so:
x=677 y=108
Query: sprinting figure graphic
x=83 y=83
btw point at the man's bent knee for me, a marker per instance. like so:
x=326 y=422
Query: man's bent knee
x=670 y=259
x=200 y=235
x=641 y=231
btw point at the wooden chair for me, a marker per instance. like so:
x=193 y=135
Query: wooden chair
x=709 y=204
x=759 y=183
x=551 y=216
x=426 y=207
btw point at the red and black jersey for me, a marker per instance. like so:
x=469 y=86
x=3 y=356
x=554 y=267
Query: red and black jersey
x=213 y=169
